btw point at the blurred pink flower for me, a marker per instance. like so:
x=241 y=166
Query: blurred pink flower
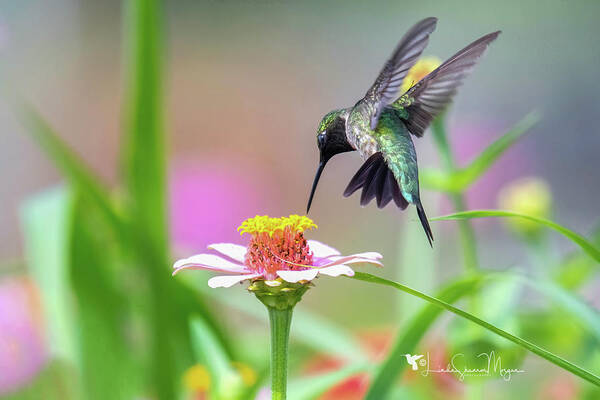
x=22 y=351
x=208 y=199
x=277 y=249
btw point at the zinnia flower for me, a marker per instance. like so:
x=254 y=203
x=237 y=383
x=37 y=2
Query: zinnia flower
x=277 y=251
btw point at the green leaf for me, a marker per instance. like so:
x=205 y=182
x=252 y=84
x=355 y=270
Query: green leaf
x=45 y=224
x=395 y=362
x=74 y=169
x=569 y=301
x=577 y=268
x=144 y=155
x=553 y=358
x=226 y=383
x=106 y=356
x=582 y=242
x=487 y=157
x=145 y=183
x=311 y=387
x=460 y=179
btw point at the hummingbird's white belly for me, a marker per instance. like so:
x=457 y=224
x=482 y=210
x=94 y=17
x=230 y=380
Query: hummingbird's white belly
x=364 y=143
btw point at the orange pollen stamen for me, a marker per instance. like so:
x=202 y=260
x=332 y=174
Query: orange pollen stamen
x=277 y=244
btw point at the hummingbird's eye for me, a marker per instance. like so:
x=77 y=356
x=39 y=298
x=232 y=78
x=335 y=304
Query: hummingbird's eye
x=321 y=139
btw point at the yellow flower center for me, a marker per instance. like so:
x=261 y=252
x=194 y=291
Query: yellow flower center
x=270 y=225
x=277 y=244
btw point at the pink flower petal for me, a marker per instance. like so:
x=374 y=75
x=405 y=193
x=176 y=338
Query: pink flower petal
x=352 y=259
x=297 y=276
x=229 y=280
x=337 y=270
x=210 y=262
x=321 y=249
x=231 y=250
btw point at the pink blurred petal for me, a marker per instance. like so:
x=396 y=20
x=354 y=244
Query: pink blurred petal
x=321 y=249
x=208 y=261
x=22 y=348
x=369 y=258
x=204 y=198
x=234 y=251
x=229 y=280
x=297 y=276
x=337 y=270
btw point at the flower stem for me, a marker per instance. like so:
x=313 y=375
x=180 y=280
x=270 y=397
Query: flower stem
x=280 y=321
x=467 y=236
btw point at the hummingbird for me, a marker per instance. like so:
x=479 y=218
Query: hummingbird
x=380 y=126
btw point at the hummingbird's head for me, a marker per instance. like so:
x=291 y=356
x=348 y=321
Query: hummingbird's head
x=331 y=140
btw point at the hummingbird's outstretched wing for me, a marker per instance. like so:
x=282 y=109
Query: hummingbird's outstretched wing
x=428 y=97
x=386 y=86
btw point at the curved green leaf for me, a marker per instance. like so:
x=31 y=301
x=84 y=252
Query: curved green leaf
x=582 y=242
x=71 y=165
x=225 y=381
x=553 y=358
x=487 y=157
x=457 y=180
x=562 y=297
x=395 y=362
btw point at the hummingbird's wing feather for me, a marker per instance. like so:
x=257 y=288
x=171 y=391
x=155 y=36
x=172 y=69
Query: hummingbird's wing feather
x=376 y=181
x=386 y=86
x=432 y=94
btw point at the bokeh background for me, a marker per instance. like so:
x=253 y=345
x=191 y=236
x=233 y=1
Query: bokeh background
x=247 y=84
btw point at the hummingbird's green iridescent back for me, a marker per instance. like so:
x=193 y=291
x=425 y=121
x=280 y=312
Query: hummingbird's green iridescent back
x=395 y=143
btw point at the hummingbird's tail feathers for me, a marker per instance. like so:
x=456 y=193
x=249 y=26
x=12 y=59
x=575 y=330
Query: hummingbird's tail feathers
x=376 y=181
x=424 y=222
x=428 y=97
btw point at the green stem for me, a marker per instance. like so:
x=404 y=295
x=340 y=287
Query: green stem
x=280 y=321
x=467 y=235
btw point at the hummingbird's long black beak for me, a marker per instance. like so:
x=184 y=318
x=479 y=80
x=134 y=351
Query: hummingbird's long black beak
x=315 y=182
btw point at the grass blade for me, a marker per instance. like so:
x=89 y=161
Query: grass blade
x=487 y=157
x=72 y=167
x=225 y=381
x=106 y=356
x=395 y=362
x=145 y=181
x=457 y=180
x=582 y=242
x=562 y=297
x=553 y=358
x=45 y=225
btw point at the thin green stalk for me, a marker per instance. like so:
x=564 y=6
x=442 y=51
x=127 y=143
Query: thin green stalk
x=280 y=321
x=467 y=236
